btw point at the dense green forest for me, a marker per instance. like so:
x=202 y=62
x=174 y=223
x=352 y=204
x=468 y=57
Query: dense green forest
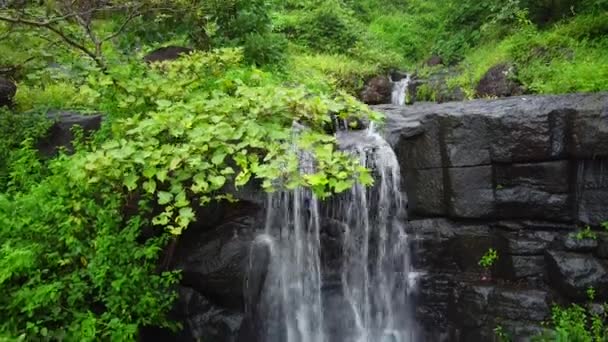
x=83 y=232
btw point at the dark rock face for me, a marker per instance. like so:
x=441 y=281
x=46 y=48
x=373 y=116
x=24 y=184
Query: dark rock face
x=206 y=321
x=498 y=82
x=60 y=134
x=377 y=90
x=517 y=175
x=215 y=261
x=8 y=89
x=167 y=53
x=574 y=273
x=521 y=157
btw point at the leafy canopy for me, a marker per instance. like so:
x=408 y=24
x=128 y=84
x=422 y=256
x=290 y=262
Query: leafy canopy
x=75 y=262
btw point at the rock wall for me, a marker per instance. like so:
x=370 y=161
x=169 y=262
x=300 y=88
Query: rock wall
x=518 y=175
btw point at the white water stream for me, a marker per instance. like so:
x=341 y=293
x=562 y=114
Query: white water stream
x=374 y=273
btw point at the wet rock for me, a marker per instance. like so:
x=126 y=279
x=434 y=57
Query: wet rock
x=397 y=75
x=431 y=244
x=60 y=135
x=574 y=244
x=435 y=291
x=509 y=158
x=8 y=89
x=377 y=90
x=434 y=61
x=215 y=261
x=470 y=306
x=532 y=268
x=526 y=242
x=602 y=250
x=574 y=273
x=592 y=190
x=167 y=53
x=535 y=190
x=521 y=305
x=587 y=128
x=479 y=309
x=471 y=192
x=205 y=321
x=426 y=192
x=440 y=245
x=499 y=81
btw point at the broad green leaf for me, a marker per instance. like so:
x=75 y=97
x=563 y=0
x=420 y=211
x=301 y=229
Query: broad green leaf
x=130 y=181
x=164 y=197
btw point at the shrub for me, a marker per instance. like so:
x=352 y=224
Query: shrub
x=265 y=49
x=74 y=263
x=326 y=26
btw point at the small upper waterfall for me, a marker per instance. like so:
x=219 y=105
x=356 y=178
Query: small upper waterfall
x=399 y=92
x=364 y=295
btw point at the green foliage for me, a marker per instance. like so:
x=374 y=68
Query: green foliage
x=71 y=267
x=425 y=92
x=501 y=334
x=17 y=130
x=576 y=324
x=184 y=131
x=75 y=264
x=586 y=233
x=265 y=49
x=323 y=26
x=489 y=258
x=329 y=72
x=591 y=293
x=569 y=57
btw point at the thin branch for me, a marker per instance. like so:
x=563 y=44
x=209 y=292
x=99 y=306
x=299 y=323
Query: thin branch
x=134 y=14
x=58 y=32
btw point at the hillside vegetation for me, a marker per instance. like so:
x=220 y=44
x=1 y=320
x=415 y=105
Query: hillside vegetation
x=83 y=232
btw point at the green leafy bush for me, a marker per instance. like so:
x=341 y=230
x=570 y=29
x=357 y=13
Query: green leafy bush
x=15 y=130
x=72 y=268
x=75 y=263
x=330 y=72
x=324 y=26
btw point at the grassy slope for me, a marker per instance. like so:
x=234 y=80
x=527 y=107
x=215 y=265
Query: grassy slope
x=566 y=56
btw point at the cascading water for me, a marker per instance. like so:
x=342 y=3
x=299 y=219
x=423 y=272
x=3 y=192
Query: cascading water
x=373 y=274
x=399 y=92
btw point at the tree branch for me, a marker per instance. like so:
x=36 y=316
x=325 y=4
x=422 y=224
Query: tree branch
x=47 y=25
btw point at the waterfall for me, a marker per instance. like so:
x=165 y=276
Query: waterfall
x=372 y=276
x=399 y=91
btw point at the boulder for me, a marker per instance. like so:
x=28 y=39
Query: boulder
x=572 y=274
x=60 y=136
x=377 y=90
x=8 y=89
x=167 y=53
x=434 y=61
x=499 y=82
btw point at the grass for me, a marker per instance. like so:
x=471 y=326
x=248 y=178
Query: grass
x=327 y=71
x=569 y=57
